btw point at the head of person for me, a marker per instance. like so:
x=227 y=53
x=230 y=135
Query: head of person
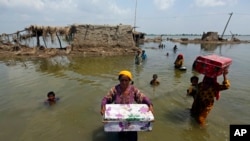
x=125 y=77
x=51 y=96
x=155 y=76
x=180 y=56
x=143 y=51
x=138 y=52
x=194 y=79
x=209 y=81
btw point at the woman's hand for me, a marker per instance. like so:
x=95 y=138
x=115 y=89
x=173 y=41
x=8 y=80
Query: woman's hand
x=103 y=109
x=150 y=108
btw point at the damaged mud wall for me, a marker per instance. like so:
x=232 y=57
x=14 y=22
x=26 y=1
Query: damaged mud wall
x=210 y=36
x=103 y=36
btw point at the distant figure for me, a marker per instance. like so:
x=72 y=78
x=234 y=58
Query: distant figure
x=52 y=99
x=179 y=61
x=175 y=48
x=154 y=81
x=143 y=55
x=159 y=46
x=167 y=54
x=138 y=58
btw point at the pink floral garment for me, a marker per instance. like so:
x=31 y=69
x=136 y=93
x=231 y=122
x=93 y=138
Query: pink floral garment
x=133 y=96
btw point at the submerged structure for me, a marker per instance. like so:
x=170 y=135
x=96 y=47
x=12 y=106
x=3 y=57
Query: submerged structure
x=83 y=39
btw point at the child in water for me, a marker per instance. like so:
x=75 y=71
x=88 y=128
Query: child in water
x=143 y=55
x=193 y=87
x=154 y=81
x=52 y=99
x=138 y=58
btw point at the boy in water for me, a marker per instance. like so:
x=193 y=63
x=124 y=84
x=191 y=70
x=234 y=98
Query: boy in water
x=138 y=58
x=143 y=55
x=193 y=87
x=154 y=81
x=52 y=99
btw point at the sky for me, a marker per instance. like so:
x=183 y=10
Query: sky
x=149 y=16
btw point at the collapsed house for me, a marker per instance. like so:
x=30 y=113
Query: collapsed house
x=75 y=39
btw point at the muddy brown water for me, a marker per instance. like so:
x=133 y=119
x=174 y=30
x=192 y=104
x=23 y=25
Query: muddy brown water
x=81 y=82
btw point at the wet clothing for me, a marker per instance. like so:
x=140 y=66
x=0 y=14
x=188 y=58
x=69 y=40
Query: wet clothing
x=143 y=56
x=128 y=136
x=204 y=99
x=51 y=102
x=154 y=82
x=138 y=59
x=192 y=90
x=178 y=63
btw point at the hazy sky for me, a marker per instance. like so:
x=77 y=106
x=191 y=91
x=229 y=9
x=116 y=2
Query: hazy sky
x=152 y=16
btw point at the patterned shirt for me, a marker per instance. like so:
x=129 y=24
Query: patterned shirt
x=133 y=95
x=205 y=98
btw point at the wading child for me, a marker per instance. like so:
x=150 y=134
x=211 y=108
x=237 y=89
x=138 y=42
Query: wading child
x=154 y=81
x=52 y=99
x=192 y=90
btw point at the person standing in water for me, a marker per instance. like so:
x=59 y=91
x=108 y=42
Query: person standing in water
x=208 y=89
x=143 y=55
x=125 y=93
x=138 y=58
x=179 y=61
x=154 y=81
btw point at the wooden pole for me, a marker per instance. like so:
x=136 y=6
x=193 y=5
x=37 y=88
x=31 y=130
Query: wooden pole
x=37 y=40
x=135 y=14
x=226 y=24
x=59 y=40
x=44 y=42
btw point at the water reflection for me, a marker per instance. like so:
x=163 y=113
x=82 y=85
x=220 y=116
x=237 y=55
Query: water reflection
x=178 y=73
x=209 y=47
x=83 y=69
x=80 y=65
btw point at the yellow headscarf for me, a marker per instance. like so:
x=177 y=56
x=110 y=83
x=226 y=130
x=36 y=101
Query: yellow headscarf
x=126 y=73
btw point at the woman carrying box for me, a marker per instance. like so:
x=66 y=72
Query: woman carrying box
x=204 y=99
x=125 y=93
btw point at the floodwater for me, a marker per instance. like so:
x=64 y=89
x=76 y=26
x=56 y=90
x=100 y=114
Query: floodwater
x=81 y=82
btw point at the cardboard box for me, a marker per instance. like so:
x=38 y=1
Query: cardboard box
x=211 y=65
x=127 y=117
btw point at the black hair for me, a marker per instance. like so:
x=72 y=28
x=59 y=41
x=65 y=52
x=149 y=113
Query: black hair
x=155 y=75
x=119 y=77
x=51 y=93
x=194 y=78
